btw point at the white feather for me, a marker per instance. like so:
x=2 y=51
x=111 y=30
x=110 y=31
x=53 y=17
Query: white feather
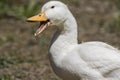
x=73 y=61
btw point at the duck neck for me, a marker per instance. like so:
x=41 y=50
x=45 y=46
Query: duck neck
x=67 y=36
x=69 y=32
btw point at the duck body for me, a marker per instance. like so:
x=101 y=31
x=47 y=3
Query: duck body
x=72 y=61
x=86 y=61
x=89 y=62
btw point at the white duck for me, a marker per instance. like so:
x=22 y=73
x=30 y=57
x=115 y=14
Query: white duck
x=73 y=61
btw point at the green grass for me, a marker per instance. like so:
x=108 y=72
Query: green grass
x=117 y=3
x=20 y=11
x=7 y=61
x=5 y=77
x=26 y=11
x=114 y=27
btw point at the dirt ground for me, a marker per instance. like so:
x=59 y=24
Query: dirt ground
x=24 y=57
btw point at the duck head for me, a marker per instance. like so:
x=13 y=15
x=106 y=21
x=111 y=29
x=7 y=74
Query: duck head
x=52 y=13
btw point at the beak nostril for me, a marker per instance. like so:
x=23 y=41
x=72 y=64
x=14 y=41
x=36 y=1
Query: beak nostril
x=39 y=15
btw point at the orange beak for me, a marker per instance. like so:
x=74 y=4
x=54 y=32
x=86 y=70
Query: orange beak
x=44 y=22
x=37 y=18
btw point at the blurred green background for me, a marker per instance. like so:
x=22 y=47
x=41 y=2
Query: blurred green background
x=24 y=57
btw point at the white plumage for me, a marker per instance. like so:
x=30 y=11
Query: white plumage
x=72 y=61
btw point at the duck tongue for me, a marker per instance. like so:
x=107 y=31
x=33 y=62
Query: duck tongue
x=42 y=27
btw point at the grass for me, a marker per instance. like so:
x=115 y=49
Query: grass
x=43 y=41
x=7 y=60
x=117 y=3
x=26 y=11
x=117 y=20
x=20 y=11
x=6 y=77
x=114 y=27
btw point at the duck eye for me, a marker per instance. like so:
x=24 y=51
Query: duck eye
x=52 y=7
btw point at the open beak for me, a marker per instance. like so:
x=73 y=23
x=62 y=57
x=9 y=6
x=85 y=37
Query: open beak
x=44 y=22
